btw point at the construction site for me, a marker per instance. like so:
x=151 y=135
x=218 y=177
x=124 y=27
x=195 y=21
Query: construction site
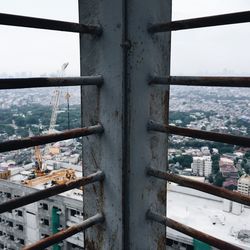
x=49 y=168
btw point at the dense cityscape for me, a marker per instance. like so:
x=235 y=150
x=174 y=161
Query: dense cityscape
x=221 y=110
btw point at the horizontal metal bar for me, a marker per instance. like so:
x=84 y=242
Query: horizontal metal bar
x=233 y=18
x=202 y=81
x=215 y=242
x=52 y=191
x=66 y=233
x=203 y=187
x=44 y=139
x=38 y=82
x=199 y=134
x=40 y=23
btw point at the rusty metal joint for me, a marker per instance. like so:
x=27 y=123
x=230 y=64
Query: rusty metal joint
x=155 y=126
x=152 y=80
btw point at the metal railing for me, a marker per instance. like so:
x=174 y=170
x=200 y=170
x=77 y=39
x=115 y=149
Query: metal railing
x=49 y=192
x=40 y=23
x=96 y=30
x=226 y=19
x=16 y=83
x=65 y=233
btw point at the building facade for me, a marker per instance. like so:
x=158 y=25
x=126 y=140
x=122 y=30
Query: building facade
x=244 y=184
x=202 y=166
x=30 y=223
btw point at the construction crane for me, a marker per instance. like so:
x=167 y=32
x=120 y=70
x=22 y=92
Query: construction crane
x=67 y=96
x=40 y=168
x=39 y=162
x=57 y=177
x=56 y=101
x=55 y=106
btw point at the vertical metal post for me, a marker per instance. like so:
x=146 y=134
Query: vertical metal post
x=126 y=55
x=103 y=55
x=149 y=55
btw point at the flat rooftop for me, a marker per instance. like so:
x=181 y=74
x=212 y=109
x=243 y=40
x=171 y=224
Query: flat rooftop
x=200 y=213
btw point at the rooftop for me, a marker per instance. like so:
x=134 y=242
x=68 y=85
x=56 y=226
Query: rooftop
x=200 y=211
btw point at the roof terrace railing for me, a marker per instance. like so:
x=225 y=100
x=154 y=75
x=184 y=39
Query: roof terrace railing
x=49 y=192
x=96 y=30
x=55 y=137
x=199 y=134
x=233 y=18
x=16 y=83
x=66 y=233
x=205 y=81
x=38 y=82
x=40 y=23
x=218 y=243
x=203 y=187
x=202 y=22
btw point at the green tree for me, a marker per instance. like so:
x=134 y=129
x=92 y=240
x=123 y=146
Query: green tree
x=219 y=179
x=215 y=163
x=247 y=155
x=184 y=160
x=210 y=178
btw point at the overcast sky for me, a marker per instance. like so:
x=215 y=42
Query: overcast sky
x=223 y=50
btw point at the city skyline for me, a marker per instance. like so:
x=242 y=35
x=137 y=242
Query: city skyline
x=217 y=50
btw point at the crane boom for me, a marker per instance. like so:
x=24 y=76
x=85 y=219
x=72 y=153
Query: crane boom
x=55 y=103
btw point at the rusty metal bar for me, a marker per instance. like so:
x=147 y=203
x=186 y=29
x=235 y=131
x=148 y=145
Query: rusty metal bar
x=233 y=18
x=46 y=193
x=38 y=82
x=40 y=23
x=215 y=242
x=203 y=187
x=44 y=139
x=66 y=233
x=201 y=81
x=199 y=134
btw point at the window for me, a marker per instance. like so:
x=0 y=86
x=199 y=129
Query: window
x=22 y=241
x=72 y=212
x=44 y=236
x=8 y=195
x=19 y=213
x=44 y=206
x=46 y=222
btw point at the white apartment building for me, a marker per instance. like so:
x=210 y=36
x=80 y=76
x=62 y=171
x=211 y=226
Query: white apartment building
x=244 y=184
x=202 y=166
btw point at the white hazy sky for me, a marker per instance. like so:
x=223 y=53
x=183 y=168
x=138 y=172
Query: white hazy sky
x=222 y=50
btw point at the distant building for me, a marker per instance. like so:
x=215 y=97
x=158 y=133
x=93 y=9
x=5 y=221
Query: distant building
x=207 y=166
x=244 y=184
x=202 y=166
x=205 y=150
x=229 y=172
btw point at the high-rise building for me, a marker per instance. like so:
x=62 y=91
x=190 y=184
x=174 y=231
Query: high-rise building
x=244 y=184
x=202 y=166
x=28 y=224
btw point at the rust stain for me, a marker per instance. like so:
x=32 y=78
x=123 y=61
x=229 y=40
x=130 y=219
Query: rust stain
x=161 y=243
x=162 y=196
x=90 y=245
